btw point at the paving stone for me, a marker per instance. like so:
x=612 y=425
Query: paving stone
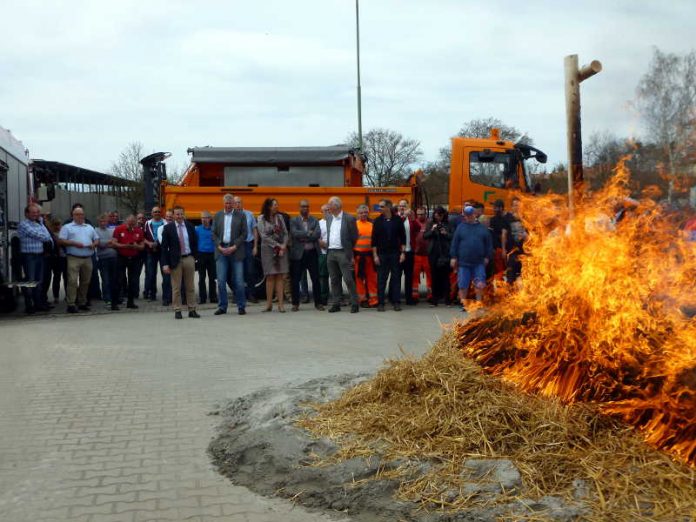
x=100 y=423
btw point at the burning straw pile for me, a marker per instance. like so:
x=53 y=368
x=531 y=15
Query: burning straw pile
x=596 y=332
x=600 y=318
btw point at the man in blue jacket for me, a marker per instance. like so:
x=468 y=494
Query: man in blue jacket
x=470 y=252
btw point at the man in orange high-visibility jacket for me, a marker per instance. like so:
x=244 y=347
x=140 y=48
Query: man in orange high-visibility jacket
x=421 y=263
x=365 y=275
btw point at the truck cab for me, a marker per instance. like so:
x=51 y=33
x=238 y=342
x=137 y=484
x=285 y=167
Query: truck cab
x=487 y=169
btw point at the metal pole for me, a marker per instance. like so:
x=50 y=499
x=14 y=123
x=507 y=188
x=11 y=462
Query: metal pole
x=357 y=40
x=573 y=77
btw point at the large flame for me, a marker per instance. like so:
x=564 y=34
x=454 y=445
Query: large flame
x=599 y=315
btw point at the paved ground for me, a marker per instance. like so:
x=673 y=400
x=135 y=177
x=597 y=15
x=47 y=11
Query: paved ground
x=104 y=417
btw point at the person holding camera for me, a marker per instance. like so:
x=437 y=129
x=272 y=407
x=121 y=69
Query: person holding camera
x=438 y=235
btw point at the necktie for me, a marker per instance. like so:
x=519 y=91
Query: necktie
x=182 y=244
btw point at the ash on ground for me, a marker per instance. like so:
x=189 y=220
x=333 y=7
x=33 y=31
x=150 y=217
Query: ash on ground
x=259 y=447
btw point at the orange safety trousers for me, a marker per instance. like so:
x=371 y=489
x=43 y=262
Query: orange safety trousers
x=421 y=263
x=365 y=278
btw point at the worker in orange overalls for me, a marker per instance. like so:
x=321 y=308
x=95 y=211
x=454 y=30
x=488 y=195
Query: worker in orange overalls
x=421 y=263
x=365 y=275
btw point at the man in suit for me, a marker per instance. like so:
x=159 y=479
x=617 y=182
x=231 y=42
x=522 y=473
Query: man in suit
x=342 y=233
x=305 y=233
x=179 y=249
x=229 y=236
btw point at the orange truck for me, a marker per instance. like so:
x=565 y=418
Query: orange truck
x=482 y=169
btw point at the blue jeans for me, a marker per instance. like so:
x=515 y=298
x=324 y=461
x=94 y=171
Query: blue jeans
x=225 y=265
x=33 y=265
x=107 y=271
x=467 y=273
x=151 y=263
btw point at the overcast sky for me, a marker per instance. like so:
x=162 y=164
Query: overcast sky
x=79 y=80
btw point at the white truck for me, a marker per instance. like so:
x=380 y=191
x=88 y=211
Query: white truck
x=15 y=191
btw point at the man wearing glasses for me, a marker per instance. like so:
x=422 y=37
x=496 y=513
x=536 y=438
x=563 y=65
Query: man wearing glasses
x=152 y=256
x=305 y=233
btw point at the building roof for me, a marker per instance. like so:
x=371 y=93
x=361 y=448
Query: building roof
x=56 y=172
x=272 y=155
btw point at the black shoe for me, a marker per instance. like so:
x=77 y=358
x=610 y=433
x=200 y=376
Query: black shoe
x=320 y=307
x=177 y=315
x=31 y=310
x=397 y=308
x=194 y=315
x=334 y=308
x=84 y=308
x=201 y=301
x=115 y=308
x=132 y=305
x=241 y=311
x=213 y=300
x=72 y=309
x=220 y=311
x=380 y=308
x=354 y=309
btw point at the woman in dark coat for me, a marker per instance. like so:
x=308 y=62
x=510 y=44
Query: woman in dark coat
x=439 y=235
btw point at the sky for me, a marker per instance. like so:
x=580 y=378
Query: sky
x=80 y=80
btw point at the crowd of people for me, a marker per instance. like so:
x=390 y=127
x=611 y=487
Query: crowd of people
x=456 y=255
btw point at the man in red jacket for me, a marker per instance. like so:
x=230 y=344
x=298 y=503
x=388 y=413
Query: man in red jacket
x=129 y=242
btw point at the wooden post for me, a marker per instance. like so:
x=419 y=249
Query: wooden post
x=573 y=77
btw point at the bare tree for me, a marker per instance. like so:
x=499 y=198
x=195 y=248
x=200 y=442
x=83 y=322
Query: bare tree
x=390 y=156
x=481 y=128
x=128 y=167
x=666 y=98
x=602 y=153
x=175 y=173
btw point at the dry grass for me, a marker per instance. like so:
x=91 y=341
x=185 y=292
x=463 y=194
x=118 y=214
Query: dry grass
x=443 y=408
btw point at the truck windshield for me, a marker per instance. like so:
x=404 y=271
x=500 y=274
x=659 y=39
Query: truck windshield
x=493 y=169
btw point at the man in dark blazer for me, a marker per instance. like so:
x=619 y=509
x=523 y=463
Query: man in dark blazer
x=304 y=254
x=229 y=236
x=342 y=234
x=179 y=249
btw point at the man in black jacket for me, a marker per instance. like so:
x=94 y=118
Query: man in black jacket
x=179 y=248
x=388 y=246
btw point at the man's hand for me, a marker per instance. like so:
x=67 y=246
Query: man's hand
x=453 y=263
x=375 y=258
x=485 y=260
x=402 y=257
x=166 y=269
x=254 y=251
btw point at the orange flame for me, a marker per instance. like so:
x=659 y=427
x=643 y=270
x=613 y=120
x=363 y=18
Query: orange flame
x=598 y=315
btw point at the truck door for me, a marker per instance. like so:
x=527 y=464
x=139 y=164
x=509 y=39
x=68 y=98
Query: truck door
x=491 y=173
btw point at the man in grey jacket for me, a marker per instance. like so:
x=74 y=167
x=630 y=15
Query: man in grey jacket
x=342 y=232
x=304 y=256
x=229 y=236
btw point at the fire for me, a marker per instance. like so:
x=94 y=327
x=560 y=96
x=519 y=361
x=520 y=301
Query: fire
x=599 y=315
